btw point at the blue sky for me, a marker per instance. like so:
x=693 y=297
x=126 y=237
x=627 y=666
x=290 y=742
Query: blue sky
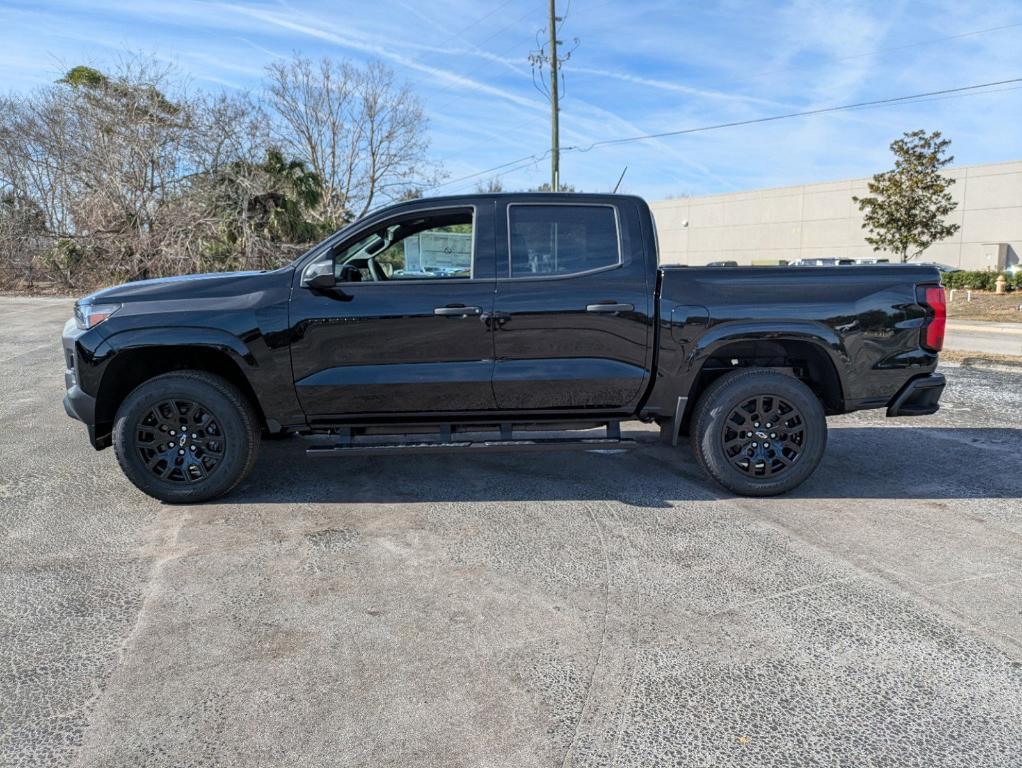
x=642 y=66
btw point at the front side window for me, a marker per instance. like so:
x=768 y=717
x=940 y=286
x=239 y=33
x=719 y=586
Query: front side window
x=548 y=240
x=435 y=246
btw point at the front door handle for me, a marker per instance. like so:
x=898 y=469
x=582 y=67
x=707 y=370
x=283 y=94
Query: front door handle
x=610 y=308
x=459 y=310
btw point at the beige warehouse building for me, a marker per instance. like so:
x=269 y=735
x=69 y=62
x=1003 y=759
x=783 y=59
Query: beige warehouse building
x=821 y=221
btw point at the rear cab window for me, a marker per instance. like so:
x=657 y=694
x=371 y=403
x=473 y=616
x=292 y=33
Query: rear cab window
x=547 y=240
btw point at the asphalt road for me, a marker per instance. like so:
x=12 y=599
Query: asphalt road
x=984 y=337
x=512 y=610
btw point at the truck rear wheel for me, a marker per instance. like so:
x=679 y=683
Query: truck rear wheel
x=186 y=437
x=758 y=432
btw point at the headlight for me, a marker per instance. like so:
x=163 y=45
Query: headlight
x=90 y=315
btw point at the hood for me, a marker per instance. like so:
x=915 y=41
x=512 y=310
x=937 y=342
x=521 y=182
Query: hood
x=198 y=286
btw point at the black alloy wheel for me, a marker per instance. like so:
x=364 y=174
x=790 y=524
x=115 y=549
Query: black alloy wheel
x=180 y=441
x=758 y=432
x=186 y=436
x=764 y=436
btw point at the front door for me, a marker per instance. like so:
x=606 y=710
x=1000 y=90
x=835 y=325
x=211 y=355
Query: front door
x=573 y=314
x=404 y=330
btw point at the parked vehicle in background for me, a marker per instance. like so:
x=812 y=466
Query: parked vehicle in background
x=723 y=264
x=821 y=263
x=561 y=321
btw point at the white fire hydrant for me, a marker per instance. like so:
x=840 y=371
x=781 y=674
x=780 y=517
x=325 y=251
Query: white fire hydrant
x=1001 y=286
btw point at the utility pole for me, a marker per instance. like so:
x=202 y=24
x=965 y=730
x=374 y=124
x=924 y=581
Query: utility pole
x=555 y=127
x=549 y=85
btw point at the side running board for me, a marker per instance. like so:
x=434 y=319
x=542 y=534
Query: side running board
x=447 y=442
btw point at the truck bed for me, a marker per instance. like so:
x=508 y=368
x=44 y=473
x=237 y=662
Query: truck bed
x=866 y=320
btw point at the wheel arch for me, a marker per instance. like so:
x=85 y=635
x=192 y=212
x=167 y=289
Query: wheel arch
x=815 y=356
x=132 y=365
x=775 y=351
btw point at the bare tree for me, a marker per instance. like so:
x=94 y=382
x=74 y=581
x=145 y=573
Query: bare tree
x=124 y=174
x=491 y=186
x=127 y=175
x=358 y=129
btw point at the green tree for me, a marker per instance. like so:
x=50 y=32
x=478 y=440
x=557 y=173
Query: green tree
x=292 y=191
x=907 y=206
x=252 y=209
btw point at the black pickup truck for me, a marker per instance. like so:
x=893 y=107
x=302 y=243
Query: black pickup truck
x=495 y=322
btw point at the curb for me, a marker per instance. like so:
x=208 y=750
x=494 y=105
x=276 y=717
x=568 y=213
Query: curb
x=999 y=328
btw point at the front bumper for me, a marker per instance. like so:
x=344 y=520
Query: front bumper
x=919 y=397
x=78 y=404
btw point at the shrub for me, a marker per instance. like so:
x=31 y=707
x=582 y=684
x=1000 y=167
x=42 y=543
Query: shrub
x=977 y=281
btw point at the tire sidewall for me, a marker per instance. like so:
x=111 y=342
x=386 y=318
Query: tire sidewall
x=232 y=421
x=730 y=391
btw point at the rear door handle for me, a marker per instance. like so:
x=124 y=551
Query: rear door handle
x=457 y=311
x=609 y=308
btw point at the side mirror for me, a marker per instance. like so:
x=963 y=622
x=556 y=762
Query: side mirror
x=320 y=276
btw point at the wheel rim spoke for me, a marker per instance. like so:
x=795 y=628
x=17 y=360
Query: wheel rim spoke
x=763 y=436
x=165 y=444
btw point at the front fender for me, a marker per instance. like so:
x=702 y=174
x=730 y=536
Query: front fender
x=262 y=369
x=215 y=338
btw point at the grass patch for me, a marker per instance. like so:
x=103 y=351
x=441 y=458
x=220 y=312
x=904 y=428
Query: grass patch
x=1003 y=308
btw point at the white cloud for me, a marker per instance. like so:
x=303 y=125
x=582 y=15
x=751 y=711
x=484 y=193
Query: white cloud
x=643 y=66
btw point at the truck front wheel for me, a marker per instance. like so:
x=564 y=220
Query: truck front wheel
x=758 y=432
x=186 y=437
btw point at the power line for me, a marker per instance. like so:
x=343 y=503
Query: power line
x=531 y=159
x=452 y=84
x=527 y=160
x=928 y=42
x=772 y=118
x=451 y=37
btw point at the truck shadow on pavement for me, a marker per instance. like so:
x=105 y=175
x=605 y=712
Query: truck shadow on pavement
x=860 y=462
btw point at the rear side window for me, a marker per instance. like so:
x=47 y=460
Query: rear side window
x=562 y=239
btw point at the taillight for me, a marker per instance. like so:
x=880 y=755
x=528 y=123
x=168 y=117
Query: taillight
x=931 y=336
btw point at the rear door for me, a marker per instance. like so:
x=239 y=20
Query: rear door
x=406 y=331
x=574 y=307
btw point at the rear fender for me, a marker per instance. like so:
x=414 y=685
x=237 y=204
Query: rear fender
x=674 y=394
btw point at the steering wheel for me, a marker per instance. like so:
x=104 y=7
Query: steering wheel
x=376 y=270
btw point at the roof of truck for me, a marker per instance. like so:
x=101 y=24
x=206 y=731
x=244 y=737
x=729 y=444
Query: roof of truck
x=551 y=196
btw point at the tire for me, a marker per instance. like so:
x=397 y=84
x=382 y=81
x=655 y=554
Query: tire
x=734 y=445
x=209 y=459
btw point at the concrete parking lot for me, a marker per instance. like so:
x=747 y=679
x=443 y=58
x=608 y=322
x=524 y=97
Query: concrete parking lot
x=512 y=610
